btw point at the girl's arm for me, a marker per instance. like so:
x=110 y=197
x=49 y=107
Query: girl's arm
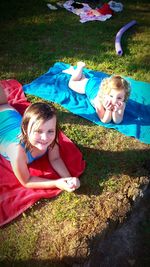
x=118 y=112
x=60 y=167
x=104 y=112
x=20 y=168
x=57 y=162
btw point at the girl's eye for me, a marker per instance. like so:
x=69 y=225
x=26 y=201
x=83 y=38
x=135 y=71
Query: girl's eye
x=38 y=131
x=50 y=131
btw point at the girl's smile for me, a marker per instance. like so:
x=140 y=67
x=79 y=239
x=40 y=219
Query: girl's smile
x=116 y=96
x=43 y=135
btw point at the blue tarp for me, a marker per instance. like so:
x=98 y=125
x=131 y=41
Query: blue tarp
x=53 y=86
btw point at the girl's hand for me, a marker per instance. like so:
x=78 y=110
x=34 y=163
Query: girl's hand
x=118 y=106
x=107 y=104
x=68 y=184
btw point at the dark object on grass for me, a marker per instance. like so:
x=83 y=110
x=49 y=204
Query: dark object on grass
x=77 y=5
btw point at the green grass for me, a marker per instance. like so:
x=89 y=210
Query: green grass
x=60 y=231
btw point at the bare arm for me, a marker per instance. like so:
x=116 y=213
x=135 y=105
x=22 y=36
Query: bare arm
x=60 y=167
x=107 y=116
x=57 y=162
x=118 y=112
x=21 y=171
x=104 y=113
x=107 y=112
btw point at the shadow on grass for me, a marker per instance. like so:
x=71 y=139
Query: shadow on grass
x=11 y=11
x=101 y=165
x=128 y=244
x=35 y=263
x=119 y=245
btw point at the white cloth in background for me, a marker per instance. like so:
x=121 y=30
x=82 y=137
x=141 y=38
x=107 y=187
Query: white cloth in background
x=83 y=12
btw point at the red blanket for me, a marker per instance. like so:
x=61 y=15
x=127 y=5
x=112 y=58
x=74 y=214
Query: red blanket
x=14 y=198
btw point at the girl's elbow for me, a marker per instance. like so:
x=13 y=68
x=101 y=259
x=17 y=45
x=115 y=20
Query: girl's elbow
x=24 y=182
x=117 y=121
x=54 y=161
x=105 y=120
x=26 y=185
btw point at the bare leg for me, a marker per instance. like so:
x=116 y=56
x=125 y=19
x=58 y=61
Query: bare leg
x=69 y=71
x=3 y=97
x=78 y=81
x=77 y=75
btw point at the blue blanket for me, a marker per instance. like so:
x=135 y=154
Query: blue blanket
x=53 y=86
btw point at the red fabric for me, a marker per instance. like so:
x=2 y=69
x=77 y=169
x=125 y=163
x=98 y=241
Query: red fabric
x=105 y=9
x=14 y=198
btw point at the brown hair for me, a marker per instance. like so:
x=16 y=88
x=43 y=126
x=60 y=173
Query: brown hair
x=42 y=113
x=114 y=82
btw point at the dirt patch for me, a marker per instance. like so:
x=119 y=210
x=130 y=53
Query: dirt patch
x=129 y=244
x=84 y=230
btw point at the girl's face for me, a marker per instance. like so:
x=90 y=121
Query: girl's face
x=41 y=135
x=116 y=96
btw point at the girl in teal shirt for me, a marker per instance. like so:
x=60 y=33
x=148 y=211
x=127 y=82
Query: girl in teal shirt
x=22 y=140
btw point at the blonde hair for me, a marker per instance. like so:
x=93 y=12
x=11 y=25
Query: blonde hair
x=42 y=113
x=114 y=82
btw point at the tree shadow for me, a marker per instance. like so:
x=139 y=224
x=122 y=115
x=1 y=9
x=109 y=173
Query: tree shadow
x=124 y=245
x=102 y=165
x=119 y=244
x=10 y=12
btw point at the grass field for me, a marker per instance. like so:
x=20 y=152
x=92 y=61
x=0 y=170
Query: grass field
x=62 y=231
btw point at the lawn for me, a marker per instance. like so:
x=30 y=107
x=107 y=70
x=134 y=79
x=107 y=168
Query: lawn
x=66 y=230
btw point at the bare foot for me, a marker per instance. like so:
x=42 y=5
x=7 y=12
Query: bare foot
x=69 y=71
x=81 y=64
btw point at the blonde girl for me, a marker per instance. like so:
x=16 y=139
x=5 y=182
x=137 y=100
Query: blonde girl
x=107 y=96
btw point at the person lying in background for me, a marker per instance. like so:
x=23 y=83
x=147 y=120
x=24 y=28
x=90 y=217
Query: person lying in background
x=108 y=96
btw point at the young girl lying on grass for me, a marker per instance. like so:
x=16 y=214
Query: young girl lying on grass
x=107 y=97
x=23 y=140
